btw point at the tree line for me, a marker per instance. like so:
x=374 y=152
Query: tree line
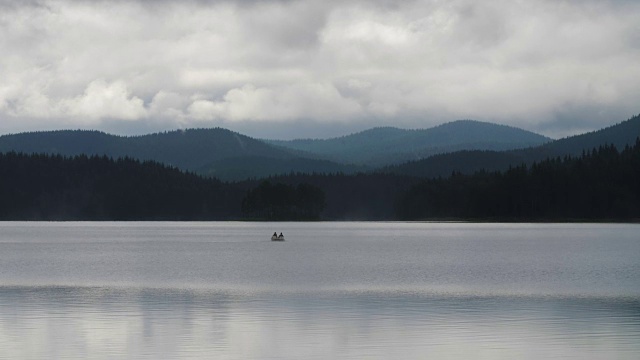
x=55 y=187
x=601 y=184
x=284 y=202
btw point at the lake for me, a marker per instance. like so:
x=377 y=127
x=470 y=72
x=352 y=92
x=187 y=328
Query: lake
x=352 y=290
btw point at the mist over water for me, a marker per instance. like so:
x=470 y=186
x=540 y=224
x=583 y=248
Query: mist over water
x=332 y=290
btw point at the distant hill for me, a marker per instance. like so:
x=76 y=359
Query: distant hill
x=217 y=152
x=467 y=162
x=461 y=146
x=388 y=145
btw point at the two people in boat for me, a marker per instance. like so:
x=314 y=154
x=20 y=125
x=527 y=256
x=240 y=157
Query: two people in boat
x=275 y=235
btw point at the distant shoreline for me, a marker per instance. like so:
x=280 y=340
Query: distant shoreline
x=448 y=221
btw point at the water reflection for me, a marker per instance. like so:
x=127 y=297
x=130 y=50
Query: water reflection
x=104 y=323
x=332 y=291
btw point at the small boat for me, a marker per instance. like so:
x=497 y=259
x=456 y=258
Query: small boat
x=277 y=238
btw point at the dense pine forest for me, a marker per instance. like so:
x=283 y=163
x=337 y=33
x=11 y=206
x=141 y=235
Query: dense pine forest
x=283 y=202
x=351 y=197
x=54 y=187
x=601 y=184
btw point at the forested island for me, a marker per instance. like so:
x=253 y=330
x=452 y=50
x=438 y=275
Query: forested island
x=602 y=184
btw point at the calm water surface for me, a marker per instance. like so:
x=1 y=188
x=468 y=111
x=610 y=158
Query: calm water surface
x=331 y=291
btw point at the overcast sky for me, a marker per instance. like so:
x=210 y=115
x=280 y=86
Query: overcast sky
x=287 y=68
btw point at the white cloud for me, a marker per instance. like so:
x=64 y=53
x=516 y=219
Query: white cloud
x=206 y=78
x=105 y=100
x=100 y=100
x=168 y=104
x=556 y=66
x=296 y=101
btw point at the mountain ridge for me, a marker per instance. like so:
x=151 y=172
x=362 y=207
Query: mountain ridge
x=231 y=156
x=387 y=145
x=196 y=150
x=620 y=135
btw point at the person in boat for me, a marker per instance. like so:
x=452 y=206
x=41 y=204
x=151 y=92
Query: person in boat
x=281 y=236
x=275 y=234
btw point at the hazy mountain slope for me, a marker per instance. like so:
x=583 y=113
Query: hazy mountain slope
x=380 y=146
x=206 y=151
x=64 y=142
x=622 y=134
x=187 y=149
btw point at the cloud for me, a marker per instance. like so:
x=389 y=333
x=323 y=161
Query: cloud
x=99 y=100
x=320 y=101
x=552 y=66
x=105 y=100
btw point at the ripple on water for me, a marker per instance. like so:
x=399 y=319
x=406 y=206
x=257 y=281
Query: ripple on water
x=334 y=291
